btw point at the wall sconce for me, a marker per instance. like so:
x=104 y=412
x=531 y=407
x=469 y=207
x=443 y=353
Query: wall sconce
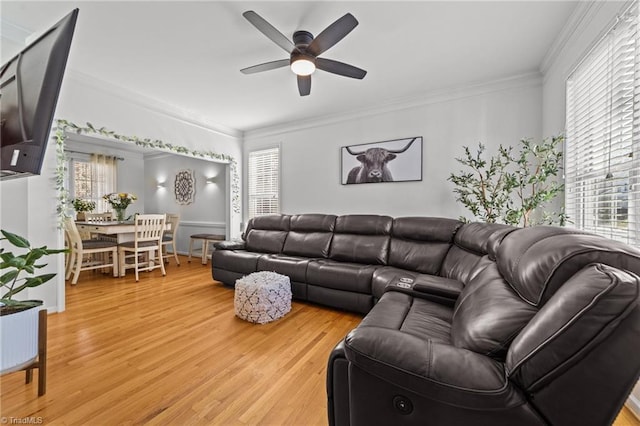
x=210 y=180
x=162 y=184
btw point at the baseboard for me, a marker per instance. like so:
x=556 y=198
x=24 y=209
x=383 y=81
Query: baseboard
x=633 y=404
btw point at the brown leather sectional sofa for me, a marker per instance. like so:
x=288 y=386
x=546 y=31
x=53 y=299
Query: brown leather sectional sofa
x=466 y=323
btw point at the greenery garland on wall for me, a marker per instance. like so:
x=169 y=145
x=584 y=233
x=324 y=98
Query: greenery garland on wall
x=64 y=126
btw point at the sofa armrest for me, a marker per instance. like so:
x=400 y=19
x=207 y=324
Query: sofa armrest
x=436 y=371
x=230 y=245
x=430 y=287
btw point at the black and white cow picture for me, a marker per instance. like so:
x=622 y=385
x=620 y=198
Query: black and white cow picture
x=373 y=164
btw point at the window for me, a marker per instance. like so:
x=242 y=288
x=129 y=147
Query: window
x=264 y=182
x=603 y=145
x=91 y=177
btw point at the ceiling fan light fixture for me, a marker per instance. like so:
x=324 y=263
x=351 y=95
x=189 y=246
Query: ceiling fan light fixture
x=302 y=64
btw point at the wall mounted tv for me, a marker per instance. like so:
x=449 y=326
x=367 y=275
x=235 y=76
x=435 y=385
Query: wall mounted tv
x=29 y=87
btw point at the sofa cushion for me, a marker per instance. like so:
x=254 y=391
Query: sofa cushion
x=237 y=261
x=488 y=315
x=363 y=224
x=364 y=249
x=406 y=341
x=293 y=267
x=273 y=222
x=463 y=265
x=420 y=285
x=361 y=239
x=472 y=242
x=265 y=241
x=313 y=222
x=340 y=275
x=421 y=243
x=537 y=261
x=583 y=312
x=308 y=244
x=340 y=299
x=430 y=229
x=481 y=238
x=310 y=235
x=420 y=318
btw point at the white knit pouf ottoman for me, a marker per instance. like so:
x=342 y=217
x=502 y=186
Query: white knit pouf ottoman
x=262 y=297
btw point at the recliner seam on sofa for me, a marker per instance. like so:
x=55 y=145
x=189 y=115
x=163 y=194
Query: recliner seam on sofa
x=586 y=309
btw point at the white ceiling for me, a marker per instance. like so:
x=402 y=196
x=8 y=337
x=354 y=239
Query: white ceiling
x=188 y=54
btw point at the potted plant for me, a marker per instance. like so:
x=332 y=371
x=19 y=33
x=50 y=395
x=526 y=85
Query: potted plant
x=81 y=206
x=19 y=318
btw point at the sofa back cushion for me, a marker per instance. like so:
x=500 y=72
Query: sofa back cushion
x=474 y=247
x=488 y=314
x=310 y=235
x=361 y=239
x=267 y=234
x=581 y=315
x=421 y=243
x=537 y=261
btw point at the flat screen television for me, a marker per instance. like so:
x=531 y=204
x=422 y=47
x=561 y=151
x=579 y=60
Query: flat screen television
x=29 y=88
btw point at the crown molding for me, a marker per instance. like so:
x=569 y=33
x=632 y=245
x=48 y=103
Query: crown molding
x=427 y=98
x=581 y=16
x=14 y=33
x=152 y=104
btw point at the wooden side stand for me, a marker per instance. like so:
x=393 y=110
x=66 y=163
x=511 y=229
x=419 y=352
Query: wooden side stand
x=206 y=240
x=41 y=362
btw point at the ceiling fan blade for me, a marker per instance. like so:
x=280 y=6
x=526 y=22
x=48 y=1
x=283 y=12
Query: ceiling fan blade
x=340 y=68
x=304 y=84
x=332 y=34
x=267 y=29
x=266 y=66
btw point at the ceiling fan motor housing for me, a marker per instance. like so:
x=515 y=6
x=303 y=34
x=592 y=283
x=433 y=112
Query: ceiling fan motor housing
x=302 y=39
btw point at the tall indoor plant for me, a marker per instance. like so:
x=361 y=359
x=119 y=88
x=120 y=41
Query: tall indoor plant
x=514 y=185
x=18 y=318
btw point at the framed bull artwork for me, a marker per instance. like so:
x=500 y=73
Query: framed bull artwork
x=398 y=160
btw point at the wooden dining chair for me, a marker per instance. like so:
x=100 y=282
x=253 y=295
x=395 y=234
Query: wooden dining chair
x=81 y=257
x=147 y=240
x=169 y=238
x=100 y=217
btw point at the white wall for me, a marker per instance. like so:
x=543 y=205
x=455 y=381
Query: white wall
x=130 y=167
x=29 y=205
x=495 y=113
x=206 y=214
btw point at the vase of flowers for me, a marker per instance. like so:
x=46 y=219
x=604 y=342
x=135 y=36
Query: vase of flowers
x=81 y=206
x=119 y=201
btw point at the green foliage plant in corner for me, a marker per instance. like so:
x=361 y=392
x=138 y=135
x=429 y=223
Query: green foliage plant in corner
x=19 y=272
x=514 y=185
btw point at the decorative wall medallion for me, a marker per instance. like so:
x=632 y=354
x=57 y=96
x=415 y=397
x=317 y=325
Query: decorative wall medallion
x=185 y=187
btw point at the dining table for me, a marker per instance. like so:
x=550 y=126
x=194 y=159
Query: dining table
x=123 y=231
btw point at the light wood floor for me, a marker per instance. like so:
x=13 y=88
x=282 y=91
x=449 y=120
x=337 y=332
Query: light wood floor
x=169 y=350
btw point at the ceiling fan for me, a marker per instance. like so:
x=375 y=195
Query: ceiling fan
x=305 y=49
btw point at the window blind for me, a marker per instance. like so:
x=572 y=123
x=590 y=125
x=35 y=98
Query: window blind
x=602 y=169
x=264 y=182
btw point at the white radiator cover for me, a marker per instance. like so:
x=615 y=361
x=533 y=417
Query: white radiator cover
x=18 y=339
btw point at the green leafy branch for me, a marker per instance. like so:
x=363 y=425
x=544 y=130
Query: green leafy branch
x=509 y=187
x=64 y=126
